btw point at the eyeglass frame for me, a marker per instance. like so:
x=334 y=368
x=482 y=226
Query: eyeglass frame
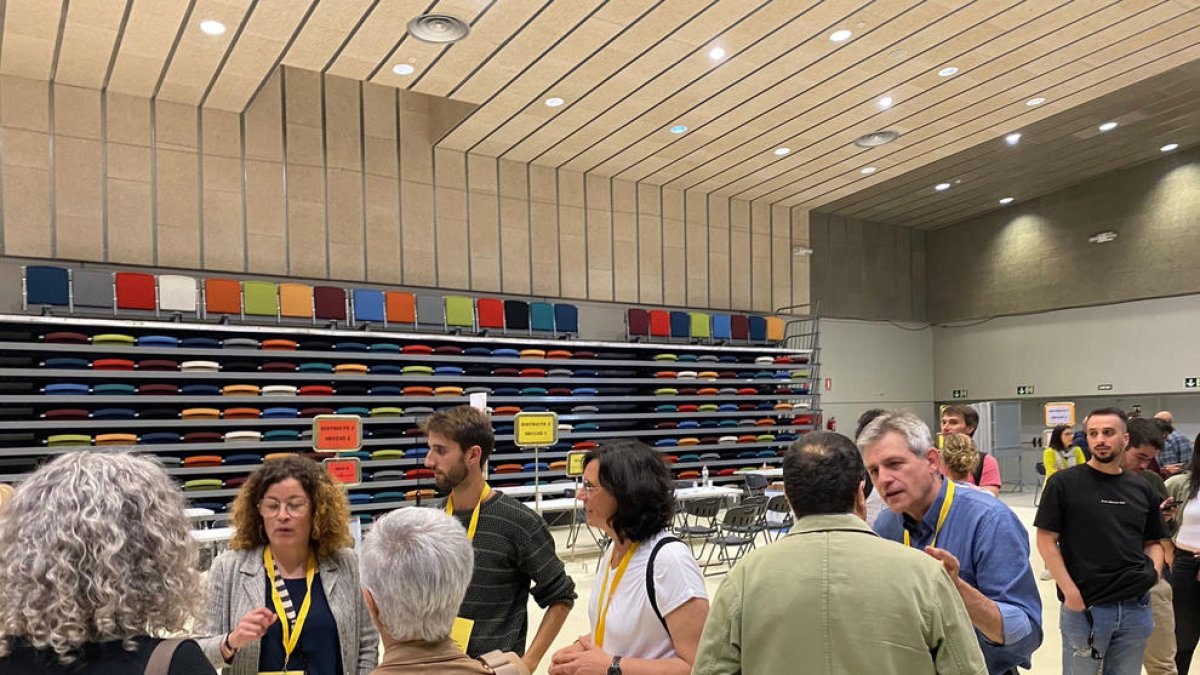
x=293 y=508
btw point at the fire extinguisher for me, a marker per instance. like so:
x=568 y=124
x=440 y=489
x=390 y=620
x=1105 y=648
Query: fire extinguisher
x=831 y=425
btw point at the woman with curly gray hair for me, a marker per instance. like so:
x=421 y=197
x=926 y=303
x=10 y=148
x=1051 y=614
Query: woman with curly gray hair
x=97 y=562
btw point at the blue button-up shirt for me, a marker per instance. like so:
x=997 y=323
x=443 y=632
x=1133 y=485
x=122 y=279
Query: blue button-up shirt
x=992 y=547
x=1176 y=450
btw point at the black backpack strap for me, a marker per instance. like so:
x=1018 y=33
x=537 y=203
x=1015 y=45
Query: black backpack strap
x=650 y=580
x=978 y=473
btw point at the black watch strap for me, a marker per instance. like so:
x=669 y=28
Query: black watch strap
x=615 y=668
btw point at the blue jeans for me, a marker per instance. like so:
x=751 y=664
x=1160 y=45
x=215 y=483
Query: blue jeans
x=1106 y=639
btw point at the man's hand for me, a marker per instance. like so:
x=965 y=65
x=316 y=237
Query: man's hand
x=1172 y=469
x=583 y=657
x=1073 y=601
x=947 y=559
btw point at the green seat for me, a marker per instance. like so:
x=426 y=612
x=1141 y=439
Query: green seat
x=260 y=298
x=389 y=496
x=666 y=391
x=700 y=325
x=460 y=311
x=59 y=440
x=387 y=454
x=708 y=407
x=114 y=339
x=386 y=411
x=417 y=370
x=202 y=484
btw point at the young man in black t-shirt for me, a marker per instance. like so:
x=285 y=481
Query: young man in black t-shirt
x=1098 y=531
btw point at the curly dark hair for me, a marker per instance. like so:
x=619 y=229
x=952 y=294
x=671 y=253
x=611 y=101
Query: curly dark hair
x=638 y=479
x=330 y=513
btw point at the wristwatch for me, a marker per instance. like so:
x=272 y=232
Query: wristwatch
x=615 y=668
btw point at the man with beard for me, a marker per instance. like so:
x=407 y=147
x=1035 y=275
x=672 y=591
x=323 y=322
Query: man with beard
x=1099 y=529
x=513 y=547
x=977 y=538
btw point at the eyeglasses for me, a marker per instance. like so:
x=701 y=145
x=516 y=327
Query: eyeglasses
x=271 y=507
x=588 y=488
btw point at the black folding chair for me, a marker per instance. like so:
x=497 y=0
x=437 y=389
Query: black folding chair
x=736 y=532
x=699 y=521
x=755 y=484
x=779 y=507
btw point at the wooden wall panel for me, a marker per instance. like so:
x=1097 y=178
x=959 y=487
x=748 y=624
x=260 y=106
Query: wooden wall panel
x=381 y=163
x=543 y=233
x=739 y=254
x=419 y=261
x=129 y=179
x=599 y=222
x=450 y=195
x=781 y=257
x=625 y=244
x=674 y=274
x=718 y=252
x=516 y=277
x=697 y=236
x=650 y=263
x=224 y=224
x=25 y=165
x=760 y=256
x=308 y=245
x=483 y=222
x=177 y=182
x=344 y=178
x=78 y=174
x=572 y=235
x=267 y=231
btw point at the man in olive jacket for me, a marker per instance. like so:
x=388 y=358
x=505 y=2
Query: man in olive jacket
x=853 y=602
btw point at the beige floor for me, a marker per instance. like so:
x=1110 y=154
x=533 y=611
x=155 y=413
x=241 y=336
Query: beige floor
x=1046 y=660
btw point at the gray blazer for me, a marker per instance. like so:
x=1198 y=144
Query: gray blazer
x=236 y=584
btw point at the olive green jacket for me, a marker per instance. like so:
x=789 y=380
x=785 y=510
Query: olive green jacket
x=832 y=598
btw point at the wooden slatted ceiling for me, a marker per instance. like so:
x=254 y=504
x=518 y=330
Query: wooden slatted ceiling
x=1052 y=153
x=630 y=69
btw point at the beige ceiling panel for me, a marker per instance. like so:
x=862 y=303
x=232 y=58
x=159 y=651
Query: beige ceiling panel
x=89 y=38
x=500 y=23
x=259 y=47
x=647 y=123
x=198 y=55
x=324 y=32
x=30 y=37
x=421 y=55
x=378 y=34
x=1132 y=66
x=993 y=112
x=552 y=66
x=148 y=37
x=795 y=96
x=994 y=80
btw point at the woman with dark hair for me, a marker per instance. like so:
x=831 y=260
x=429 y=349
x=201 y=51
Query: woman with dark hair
x=1061 y=453
x=1184 y=504
x=649 y=605
x=286 y=596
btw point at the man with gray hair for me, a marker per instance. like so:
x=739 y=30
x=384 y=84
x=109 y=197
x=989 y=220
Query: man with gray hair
x=415 y=567
x=978 y=539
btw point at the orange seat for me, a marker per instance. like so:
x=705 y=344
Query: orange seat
x=350 y=369
x=775 y=329
x=400 y=307
x=558 y=354
x=278 y=455
x=665 y=374
x=116 y=439
x=690 y=473
x=507 y=410
x=240 y=390
x=748 y=438
x=295 y=301
x=242 y=413
x=560 y=465
x=202 y=460
x=280 y=344
x=448 y=391
x=424 y=493
x=200 y=414
x=708 y=391
x=508 y=468
x=222 y=296
x=417 y=391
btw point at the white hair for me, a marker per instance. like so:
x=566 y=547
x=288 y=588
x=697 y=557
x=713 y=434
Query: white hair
x=914 y=430
x=96 y=548
x=417 y=563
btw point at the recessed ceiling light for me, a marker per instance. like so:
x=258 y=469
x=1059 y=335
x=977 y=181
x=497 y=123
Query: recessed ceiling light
x=1169 y=147
x=438 y=28
x=1035 y=101
x=1108 y=126
x=554 y=101
x=211 y=27
x=1103 y=237
x=1006 y=200
x=1013 y=138
x=876 y=139
x=679 y=128
x=402 y=69
x=716 y=53
x=947 y=71
x=941 y=186
x=782 y=151
x=840 y=35
x=885 y=102
x=867 y=170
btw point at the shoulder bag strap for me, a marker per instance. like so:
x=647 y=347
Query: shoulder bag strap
x=160 y=658
x=650 y=580
x=978 y=473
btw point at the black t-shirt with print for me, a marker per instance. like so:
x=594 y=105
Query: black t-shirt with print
x=1103 y=521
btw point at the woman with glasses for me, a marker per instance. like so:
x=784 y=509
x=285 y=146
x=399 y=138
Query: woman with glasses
x=285 y=597
x=649 y=603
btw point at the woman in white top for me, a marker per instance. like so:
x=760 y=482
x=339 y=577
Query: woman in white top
x=636 y=629
x=1185 y=585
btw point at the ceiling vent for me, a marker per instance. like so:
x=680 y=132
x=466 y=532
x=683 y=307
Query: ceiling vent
x=876 y=139
x=438 y=28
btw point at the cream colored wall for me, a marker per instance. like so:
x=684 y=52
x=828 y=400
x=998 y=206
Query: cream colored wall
x=326 y=177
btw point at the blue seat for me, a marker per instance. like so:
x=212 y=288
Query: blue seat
x=359 y=499
x=368 y=305
x=767 y=453
x=689 y=424
x=353 y=410
x=243 y=459
x=157 y=341
x=566 y=318
x=66 y=362
x=114 y=389
x=506 y=353
x=280 y=413
x=350 y=347
x=727 y=358
x=385 y=347
x=477 y=351
x=315 y=367
x=727 y=407
x=506 y=391
x=758 y=329
x=689 y=458
x=281 y=435
x=584 y=391
x=200 y=343
x=200 y=390
x=541 y=316
x=215 y=507
x=666 y=443
x=385 y=390
x=681 y=325
x=588 y=426
x=416 y=453
x=533 y=391
x=384 y=369
x=47 y=285
x=668 y=407
x=160 y=437
x=747 y=454
x=447 y=370
x=585 y=373
x=535 y=466
x=114 y=414
x=722 y=327
x=688 y=357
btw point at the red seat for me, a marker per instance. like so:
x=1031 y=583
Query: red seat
x=739 y=327
x=136 y=290
x=637 y=322
x=660 y=323
x=400 y=307
x=490 y=312
x=329 y=303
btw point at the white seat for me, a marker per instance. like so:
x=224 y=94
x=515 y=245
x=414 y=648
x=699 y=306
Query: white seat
x=200 y=365
x=243 y=436
x=177 y=293
x=279 y=390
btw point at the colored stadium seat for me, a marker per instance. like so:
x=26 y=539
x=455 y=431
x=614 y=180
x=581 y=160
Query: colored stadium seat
x=176 y=292
x=637 y=323
x=566 y=319
x=260 y=298
x=368 y=306
x=295 y=301
x=460 y=312
x=680 y=325
x=739 y=327
x=490 y=313
x=329 y=303
x=660 y=323
x=541 y=317
x=136 y=290
x=431 y=312
x=222 y=296
x=401 y=307
x=757 y=329
x=94 y=288
x=516 y=315
x=47 y=285
x=700 y=325
x=775 y=329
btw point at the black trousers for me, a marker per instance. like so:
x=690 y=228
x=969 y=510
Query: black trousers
x=1186 y=590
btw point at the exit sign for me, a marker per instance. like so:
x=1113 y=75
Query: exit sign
x=1025 y=390
x=959 y=393
x=1191 y=382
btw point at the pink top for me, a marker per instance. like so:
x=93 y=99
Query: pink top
x=990 y=475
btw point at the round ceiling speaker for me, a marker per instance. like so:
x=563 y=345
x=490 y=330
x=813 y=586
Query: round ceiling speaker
x=876 y=139
x=438 y=28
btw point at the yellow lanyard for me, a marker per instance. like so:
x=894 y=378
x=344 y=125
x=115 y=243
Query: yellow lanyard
x=291 y=634
x=941 y=515
x=603 y=615
x=474 y=514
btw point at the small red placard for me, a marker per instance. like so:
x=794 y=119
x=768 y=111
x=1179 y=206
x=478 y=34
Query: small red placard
x=337 y=433
x=344 y=470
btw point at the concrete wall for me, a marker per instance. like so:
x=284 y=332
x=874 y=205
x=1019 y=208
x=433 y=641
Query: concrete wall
x=331 y=178
x=875 y=365
x=1034 y=256
x=867 y=270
